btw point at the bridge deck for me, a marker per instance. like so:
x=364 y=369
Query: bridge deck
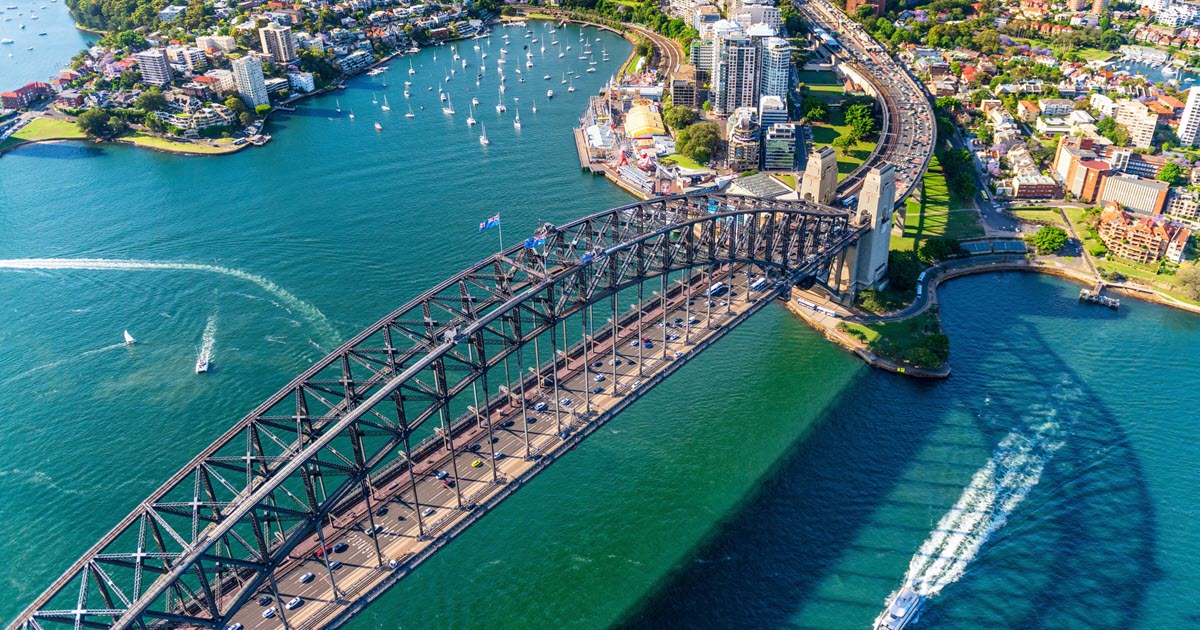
x=417 y=523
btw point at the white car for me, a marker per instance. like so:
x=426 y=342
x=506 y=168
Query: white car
x=307 y=577
x=294 y=603
x=269 y=613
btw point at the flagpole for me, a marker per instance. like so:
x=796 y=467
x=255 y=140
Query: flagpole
x=500 y=225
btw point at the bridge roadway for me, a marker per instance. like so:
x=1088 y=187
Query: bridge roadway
x=415 y=521
x=909 y=134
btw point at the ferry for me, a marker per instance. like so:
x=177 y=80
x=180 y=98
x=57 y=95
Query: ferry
x=901 y=610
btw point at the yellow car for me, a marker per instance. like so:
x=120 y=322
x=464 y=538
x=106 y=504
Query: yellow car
x=477 y=463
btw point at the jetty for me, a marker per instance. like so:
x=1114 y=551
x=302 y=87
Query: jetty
x=1096 y=296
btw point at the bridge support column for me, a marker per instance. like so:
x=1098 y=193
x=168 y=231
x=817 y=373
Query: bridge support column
x=876 y=204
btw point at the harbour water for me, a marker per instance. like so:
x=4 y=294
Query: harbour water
x=774 y=482
x=51 y=51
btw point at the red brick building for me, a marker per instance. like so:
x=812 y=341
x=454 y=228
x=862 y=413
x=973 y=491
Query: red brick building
x=24 y=95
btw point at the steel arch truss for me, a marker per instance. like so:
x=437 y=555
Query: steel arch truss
x=206 y=541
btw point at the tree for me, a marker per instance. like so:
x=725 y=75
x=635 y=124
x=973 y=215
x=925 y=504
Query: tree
x=151 y=100
x=679 y=117
x=698 y=141
x=1187 y=278
x=903 y=269
x=814 y=108
x=98 y=123
x=1171 y=173
x=1049 y=239
x=861 y=120
x=937 y=249
x=845 y=142
x=706 y=106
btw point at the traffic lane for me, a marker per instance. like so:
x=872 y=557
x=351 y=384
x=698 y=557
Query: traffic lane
x=433 y=494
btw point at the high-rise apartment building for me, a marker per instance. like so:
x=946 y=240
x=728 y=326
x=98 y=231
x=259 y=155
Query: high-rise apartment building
x=248 y=76
x=154 y=67
x=1189 y=122
x=735 y=74
x=1139 y=120
x=277 y=41
x=775 y=69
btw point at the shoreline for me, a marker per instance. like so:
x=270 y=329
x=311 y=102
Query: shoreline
x=130 y=143
x=860 y=349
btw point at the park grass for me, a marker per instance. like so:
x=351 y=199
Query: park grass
x=895 y=340
x=632 y=65
x=932 y=217
x=818 y=77
x=681 y=160
x=140 y=139
x=790 y=180
x=1049 y=216
x=1094 y=54
x=40 y=129
x=848 y=160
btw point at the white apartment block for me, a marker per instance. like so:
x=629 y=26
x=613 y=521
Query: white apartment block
x=248 y=75
x=1189 y=122
x=1139 y=120
x=154 y=67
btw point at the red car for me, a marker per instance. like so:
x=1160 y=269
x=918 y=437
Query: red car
x=324 y=550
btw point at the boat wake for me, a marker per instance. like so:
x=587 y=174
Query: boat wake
x=996 y=489
x=311 y=312
x=205 y=355
x=54 y=364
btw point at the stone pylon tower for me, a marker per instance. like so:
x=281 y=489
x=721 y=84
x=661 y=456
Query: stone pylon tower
x=876 y=203
x=819 y=183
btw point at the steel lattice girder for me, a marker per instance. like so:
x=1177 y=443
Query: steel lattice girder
x=205 y=537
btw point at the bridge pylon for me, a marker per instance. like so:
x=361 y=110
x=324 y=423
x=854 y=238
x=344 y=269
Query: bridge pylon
x=864 y=265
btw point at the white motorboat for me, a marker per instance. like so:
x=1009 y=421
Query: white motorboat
x=902 y=609
x=201 y=365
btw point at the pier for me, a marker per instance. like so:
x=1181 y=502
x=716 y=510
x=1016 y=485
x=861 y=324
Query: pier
x=1096 y=296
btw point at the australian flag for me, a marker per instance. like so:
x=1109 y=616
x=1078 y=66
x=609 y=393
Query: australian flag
x=535 y=241
x=490 y=223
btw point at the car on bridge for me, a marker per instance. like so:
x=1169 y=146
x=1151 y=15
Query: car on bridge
x=323 y=550
x=294 y=603
x=340 y=547
x=307 y=577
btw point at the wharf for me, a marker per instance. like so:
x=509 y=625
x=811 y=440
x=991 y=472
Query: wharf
x=1097 y=297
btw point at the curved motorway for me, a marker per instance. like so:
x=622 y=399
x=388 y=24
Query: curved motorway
x=908 y=135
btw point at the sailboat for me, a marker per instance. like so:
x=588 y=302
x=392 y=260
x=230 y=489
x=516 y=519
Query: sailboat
x=374 y=99
x=500 y=106
x=410 y=67
x=384 y=79
x=410 y=113
x=129 y=340
x=535 y=106
x=378 y=127
x=471 y=116
x=385 y=107
x=564 y=78
x=449 y=108
x=352 y=114
x=337 y=106
x=571 y=88
x=517 y=122
x=483 y=137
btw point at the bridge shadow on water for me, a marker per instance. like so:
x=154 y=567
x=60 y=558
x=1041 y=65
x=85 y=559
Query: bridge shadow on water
x=1078 y=552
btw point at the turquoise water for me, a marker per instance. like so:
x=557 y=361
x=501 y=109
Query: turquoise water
x=51 y=51
x=792 y=491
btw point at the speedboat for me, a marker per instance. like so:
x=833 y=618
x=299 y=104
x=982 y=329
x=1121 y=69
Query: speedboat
x=201 y=365
x=903 y=608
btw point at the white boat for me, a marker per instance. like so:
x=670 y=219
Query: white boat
x=352 y=114
x=517 y=121
x=501 y=88
x=571 y=88
x=564 y=79
x=201 y=365
x=464 y=63
x=503 y=51
x=410 y=113
x=374 y=99
x=484 y=56
x=408 y=84
x=483 y=137
x=568 y=47
x=528 y=64
x=378 y=127
x=407 y=94
x=547 y=77
x=337 y=106
x=591 y=69
x=549 y=94
x=474 y=101
x=410 y=67
x=6 y=41
x=449 y=108
x=500 y=107
x=901 y=610
x=535 y=106
x=129 y=340
x=471 y=116
x=385 y=107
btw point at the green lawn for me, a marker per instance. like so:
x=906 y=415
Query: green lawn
x=848 y=160
x=1051 y=216
x=790 y=180
x=815 y=77
x=154 y=142
x=682 y=160
x=932 y=217
x=1093 y=54
x=896 y=340
x=44 y=129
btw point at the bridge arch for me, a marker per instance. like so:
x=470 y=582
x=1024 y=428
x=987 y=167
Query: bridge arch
x=368 y=418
